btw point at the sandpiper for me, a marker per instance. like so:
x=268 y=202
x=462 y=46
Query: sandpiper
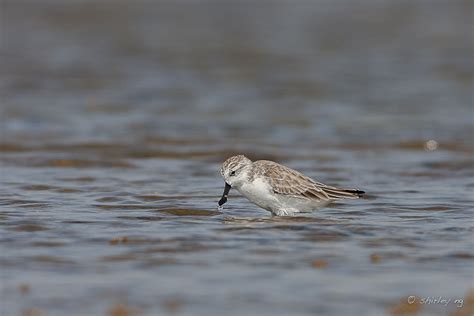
x=278 y=189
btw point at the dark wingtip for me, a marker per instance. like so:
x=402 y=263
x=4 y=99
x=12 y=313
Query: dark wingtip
x=359 y=193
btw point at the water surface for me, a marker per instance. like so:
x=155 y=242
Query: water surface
x=116 y=116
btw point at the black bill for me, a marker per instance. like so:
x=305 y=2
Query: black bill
x=224 y=195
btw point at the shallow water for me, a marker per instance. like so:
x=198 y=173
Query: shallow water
x=115 y=119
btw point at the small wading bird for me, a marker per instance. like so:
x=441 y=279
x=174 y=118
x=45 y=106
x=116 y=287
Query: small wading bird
x=278 y=189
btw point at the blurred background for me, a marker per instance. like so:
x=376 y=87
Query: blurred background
x=116 y=115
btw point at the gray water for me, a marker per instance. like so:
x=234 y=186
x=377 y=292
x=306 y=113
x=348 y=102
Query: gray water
x=116 y=116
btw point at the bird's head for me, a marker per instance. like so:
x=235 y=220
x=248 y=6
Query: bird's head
x=233 y=172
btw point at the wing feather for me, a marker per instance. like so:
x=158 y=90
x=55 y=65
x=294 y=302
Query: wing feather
x=287 y=181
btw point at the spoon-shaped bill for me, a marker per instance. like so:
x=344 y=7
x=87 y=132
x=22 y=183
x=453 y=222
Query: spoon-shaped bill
x=224 y=195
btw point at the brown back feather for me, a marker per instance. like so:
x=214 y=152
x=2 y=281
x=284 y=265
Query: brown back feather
x=287 y=181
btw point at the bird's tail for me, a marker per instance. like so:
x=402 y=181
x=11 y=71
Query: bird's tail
x=335 y=193
x=359 y=193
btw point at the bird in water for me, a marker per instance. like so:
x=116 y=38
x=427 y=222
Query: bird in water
x=277 y=188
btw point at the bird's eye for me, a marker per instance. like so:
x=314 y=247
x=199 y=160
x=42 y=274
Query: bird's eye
x=232 y=173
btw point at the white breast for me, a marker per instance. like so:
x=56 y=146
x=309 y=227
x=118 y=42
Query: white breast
x=261 y=193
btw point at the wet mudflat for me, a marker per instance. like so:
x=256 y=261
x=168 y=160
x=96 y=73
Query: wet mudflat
x=115 y=118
